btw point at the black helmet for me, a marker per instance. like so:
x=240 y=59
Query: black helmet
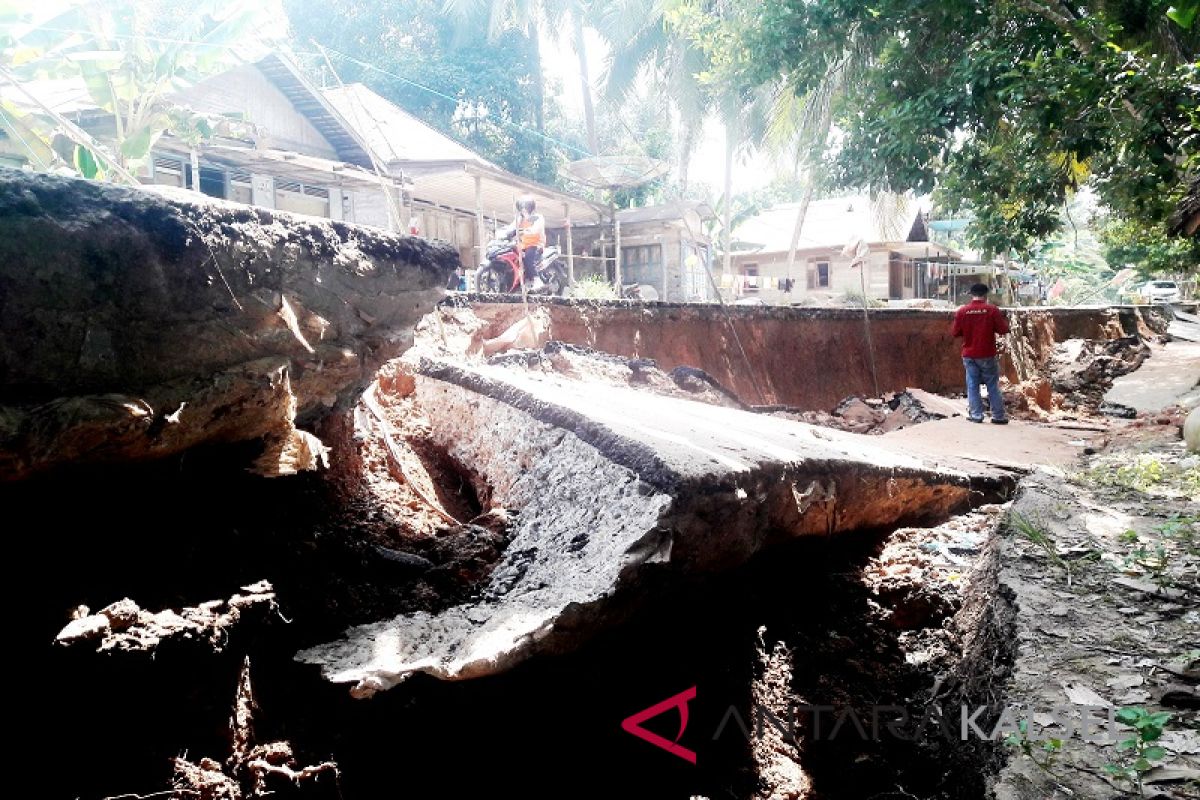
x=526 y=203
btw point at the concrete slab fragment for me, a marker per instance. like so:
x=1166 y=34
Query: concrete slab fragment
x=616 y=488
x=1169 y=377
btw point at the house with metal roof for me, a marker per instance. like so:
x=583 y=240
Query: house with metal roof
x=449 y=187
x=344 y=153
x=892 y=244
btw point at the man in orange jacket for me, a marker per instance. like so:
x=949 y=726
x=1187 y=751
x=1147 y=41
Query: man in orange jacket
x=531 y=238
x=978 y=323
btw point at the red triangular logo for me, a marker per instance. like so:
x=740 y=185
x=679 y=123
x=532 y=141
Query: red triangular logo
x=633 y=724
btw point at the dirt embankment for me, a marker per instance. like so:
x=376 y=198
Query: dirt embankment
x=136 y=325
x=811 y=358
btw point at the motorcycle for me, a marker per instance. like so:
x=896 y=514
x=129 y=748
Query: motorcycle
x=503 y=272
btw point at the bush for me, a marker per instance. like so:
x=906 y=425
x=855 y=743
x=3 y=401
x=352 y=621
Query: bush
x=592 y=287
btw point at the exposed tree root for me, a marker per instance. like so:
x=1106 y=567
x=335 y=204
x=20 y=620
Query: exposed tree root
x=252 y=770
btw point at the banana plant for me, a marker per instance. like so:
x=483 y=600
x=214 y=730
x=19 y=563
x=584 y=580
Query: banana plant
x=193 y=130
x=131 y=63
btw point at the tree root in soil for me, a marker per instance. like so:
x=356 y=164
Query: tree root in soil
x=252 y=770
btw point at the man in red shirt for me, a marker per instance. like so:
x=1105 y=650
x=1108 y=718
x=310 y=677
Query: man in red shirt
x=978 y=323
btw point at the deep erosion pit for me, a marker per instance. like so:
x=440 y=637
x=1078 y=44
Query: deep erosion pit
x=508 y=556
x=613 y=488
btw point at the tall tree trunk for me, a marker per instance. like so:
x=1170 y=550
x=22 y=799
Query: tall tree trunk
x=539 y=83
x=800 y=215
x=727 y=221
x=585 y=83
x=687 y=146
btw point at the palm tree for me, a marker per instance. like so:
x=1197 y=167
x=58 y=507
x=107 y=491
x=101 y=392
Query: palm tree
x=529 y=16
x=642 y=42
x=128 y=72
x=800 y=123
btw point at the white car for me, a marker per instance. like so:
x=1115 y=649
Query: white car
x=1160 y=292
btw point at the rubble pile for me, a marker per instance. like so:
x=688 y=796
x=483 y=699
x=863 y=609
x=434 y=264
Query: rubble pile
x=124 y=626
x=872 y=415
x=1082 y=370
x=583 y=363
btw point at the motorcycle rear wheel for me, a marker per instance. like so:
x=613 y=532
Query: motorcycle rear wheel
x=489 y=281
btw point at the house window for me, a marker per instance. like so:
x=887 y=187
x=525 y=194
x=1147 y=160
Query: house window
x=212 y=182
x=695 y=272
x=169 y=172
x=642 y=264
x=818 y=275
x=750 y=281
x=908 y=274
x=301 y=198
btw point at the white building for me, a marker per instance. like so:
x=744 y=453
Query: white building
x=901 y=262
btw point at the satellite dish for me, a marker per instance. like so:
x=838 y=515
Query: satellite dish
x=615 y=172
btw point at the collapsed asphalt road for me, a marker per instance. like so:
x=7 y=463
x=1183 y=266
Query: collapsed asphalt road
x=615 y=489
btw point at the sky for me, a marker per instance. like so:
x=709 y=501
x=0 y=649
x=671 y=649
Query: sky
x=707 y=165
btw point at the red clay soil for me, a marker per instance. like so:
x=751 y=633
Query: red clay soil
x=809 y=358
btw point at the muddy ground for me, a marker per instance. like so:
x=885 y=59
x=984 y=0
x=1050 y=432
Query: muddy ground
x=874 y=619
x=1029 y=607
x=116 y=720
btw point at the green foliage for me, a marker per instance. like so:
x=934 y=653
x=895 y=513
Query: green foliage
x=1184 y=530
x=486 y=93
x=1184 y=13
x=593 y=287
x=742 y=208
x=1035 y=532
x=1005 y=108
x=87 y=164
x=1136 y=754
x=640 y=126
x=1148 y=248
x=1146 y=474
x=1154 y=562
x=1020 y=740
x=1153 y=557
x=1141 y=474
x=130 y=56
x=1075 y=255
x=643 y=44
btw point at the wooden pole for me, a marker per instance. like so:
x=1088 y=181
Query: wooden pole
x=862 y=277
x=570 y=244
x=617 y=252
x=727 y=215
x=395 y=209
x=479 y=227
x=665 y=271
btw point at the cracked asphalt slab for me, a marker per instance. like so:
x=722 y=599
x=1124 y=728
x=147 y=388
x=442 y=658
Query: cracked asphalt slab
x=615 y=489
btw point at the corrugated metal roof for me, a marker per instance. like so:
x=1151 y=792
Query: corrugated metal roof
x=310 y=101
x=442 y=171
x=664 y=212
x=391 y=132
x=827 y=224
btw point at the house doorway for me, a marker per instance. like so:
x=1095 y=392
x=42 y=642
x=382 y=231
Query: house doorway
x=895 y=276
